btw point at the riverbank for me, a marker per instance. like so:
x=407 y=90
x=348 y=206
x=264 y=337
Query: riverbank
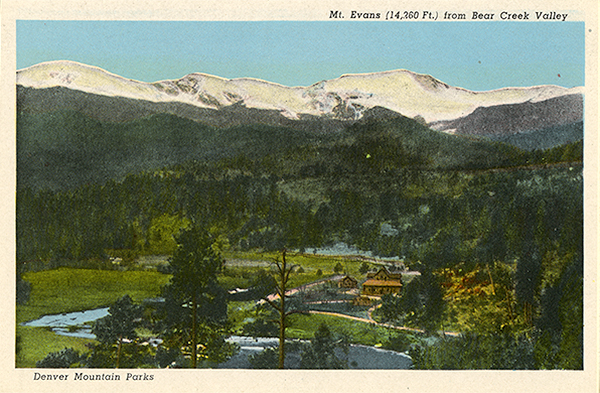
x=359 y=357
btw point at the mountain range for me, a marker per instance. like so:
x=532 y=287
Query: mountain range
x=216 y=101
x=78 y=124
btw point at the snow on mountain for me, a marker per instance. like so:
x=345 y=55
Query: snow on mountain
x=348 y=96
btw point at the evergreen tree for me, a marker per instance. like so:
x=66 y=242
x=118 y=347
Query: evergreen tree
x=472 y=351
x=23 y=289
x=391 y=307
x=559 y=343
x=527 y=278
x=364 y=268
x=193 y=288
x=422 y=303
x=321 y=352
x=119 y=325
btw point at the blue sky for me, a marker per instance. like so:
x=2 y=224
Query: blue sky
x=473 y=55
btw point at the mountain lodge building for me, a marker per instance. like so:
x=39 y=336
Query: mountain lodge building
x=382 y=283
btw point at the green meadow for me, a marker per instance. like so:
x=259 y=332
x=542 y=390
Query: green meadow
x=66 y=290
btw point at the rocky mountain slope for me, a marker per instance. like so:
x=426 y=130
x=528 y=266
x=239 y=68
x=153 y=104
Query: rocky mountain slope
x=225 y=102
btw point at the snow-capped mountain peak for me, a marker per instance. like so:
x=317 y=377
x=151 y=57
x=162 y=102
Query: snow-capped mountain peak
x=346 y=97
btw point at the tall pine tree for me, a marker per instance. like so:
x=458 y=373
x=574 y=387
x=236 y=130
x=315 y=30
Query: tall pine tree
x=193 y=286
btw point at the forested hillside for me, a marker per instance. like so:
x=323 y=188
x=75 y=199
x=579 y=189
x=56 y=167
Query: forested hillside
x=473 y=216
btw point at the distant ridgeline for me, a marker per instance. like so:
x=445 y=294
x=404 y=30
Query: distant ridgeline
x=78 y=125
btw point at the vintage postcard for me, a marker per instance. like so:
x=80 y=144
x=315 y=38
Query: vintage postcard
x=299 y=196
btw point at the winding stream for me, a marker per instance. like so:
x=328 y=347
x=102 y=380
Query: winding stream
x=78 y=324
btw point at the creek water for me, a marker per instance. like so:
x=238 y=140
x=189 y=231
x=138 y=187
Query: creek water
x=78 y=324
x=359 y=357
x=73 y=324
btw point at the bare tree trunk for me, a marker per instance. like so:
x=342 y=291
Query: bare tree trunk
x=119 y=345
x=528 y=313
x=281 y=340
x=194 y=332
x=282 y=273
x=491 y=279
x=508 y=302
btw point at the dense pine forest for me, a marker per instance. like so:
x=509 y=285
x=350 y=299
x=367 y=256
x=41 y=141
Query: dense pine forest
x=496 y=232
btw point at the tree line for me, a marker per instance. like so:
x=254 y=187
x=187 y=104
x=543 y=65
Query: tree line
x=515 y=236
x=412 y=217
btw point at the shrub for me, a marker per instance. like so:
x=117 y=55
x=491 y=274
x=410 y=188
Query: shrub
x=399 y=343
x=64 y=358
x=261 y=328
x=23 y=290
x=471 y=351
x=321 y=352
x=169 y=357
x=267 y=359
x=364 y=268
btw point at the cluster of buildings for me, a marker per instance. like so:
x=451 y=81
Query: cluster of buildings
x=378 y=283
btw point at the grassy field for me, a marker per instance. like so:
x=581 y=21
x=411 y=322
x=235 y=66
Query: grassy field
x=305 y=326
x=66 y=290
x=38 y=342
x=306 y=271
x=309 y=263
